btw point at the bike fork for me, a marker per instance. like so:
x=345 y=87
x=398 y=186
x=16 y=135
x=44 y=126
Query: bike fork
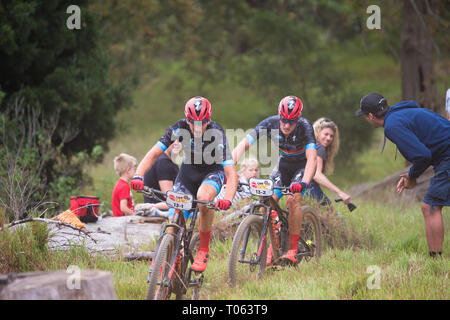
x=176 y=257
x=261 y=244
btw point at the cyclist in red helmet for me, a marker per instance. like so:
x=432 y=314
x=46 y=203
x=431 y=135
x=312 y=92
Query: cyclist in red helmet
x=297 y=162
x=207 y=160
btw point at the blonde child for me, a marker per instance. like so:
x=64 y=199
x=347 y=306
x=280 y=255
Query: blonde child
x=122 y=198
x=249 y=169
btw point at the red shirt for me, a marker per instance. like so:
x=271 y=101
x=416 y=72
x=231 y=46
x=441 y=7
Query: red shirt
x=121 y=191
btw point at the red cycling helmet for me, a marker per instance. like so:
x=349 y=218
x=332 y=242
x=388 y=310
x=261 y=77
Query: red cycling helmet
x=290 y=108
x=198 y=109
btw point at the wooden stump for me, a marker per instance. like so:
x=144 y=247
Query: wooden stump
x=73 y=284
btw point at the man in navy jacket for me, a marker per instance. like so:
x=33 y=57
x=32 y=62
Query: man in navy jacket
x=423 y=138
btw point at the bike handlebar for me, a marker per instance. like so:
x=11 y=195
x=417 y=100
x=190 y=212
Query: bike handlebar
x=284 y=190
x=152 y=193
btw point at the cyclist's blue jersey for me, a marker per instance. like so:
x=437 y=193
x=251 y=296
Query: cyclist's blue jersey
x=292 y=148
x=210 y=152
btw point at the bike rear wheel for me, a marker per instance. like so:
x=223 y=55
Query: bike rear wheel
x=244 y=251
x=310 y=241
x=158 y=289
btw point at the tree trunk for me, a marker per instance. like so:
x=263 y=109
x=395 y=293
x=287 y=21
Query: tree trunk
x=418 y=76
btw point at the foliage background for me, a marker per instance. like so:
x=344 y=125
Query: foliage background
x=149 y=57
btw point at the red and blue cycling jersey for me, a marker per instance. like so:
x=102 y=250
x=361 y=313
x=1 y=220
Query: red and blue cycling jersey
x=292 y=148
x=292 y=159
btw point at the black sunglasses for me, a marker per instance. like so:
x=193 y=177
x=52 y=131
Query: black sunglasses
x=204 y=121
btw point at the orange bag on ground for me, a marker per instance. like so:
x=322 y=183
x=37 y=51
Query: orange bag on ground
x=69 y=217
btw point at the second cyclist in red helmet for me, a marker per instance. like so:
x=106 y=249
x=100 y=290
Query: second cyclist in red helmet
x=296 y=166
x=207 y=160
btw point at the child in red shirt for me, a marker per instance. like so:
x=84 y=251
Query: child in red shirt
x=122 y=198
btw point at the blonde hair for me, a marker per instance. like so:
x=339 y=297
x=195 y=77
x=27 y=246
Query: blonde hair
x=333 y=147
x=247 y=162
x=123 y=162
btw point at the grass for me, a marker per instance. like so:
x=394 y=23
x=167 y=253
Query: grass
x=390 y=240
x=393 y=240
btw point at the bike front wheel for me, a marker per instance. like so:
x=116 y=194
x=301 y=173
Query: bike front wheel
x=244 y=255
x=159 y=287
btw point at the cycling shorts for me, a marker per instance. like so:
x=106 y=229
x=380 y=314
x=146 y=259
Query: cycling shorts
x=190 y=178
x=287 y=173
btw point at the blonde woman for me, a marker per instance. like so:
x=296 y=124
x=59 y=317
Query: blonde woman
x=327 y=143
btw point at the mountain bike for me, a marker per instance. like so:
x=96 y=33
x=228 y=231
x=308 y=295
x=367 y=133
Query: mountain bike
x=267 y=220
x=170 y=271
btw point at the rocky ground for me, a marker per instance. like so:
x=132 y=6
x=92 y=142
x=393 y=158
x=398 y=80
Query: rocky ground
x=109 y=234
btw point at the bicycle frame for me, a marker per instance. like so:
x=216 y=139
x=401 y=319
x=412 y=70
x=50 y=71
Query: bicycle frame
x=268 y=203
x=182 y=235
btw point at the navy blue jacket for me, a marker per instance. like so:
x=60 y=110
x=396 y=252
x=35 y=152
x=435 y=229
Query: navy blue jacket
x=421 y=135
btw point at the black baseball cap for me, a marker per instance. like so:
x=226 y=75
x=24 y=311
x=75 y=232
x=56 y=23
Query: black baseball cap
x=371 y=103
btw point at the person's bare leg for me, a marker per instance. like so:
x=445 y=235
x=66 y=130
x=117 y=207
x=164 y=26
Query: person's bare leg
x=295 y=224
x=434 y=227
x=295 y=213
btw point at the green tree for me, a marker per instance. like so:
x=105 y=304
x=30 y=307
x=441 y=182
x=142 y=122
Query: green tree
x=60 y=71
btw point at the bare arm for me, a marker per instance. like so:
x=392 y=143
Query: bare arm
x=232 y=182
x=148 y=160
x=240 y=149
x=124 y=207
x=321 y=179
x=310 y=168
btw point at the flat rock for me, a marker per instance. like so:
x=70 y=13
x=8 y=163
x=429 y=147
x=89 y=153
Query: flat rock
x=110 y=234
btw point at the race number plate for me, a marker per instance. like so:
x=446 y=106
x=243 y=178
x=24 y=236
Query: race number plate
x=179 y=200
x=261 y=187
